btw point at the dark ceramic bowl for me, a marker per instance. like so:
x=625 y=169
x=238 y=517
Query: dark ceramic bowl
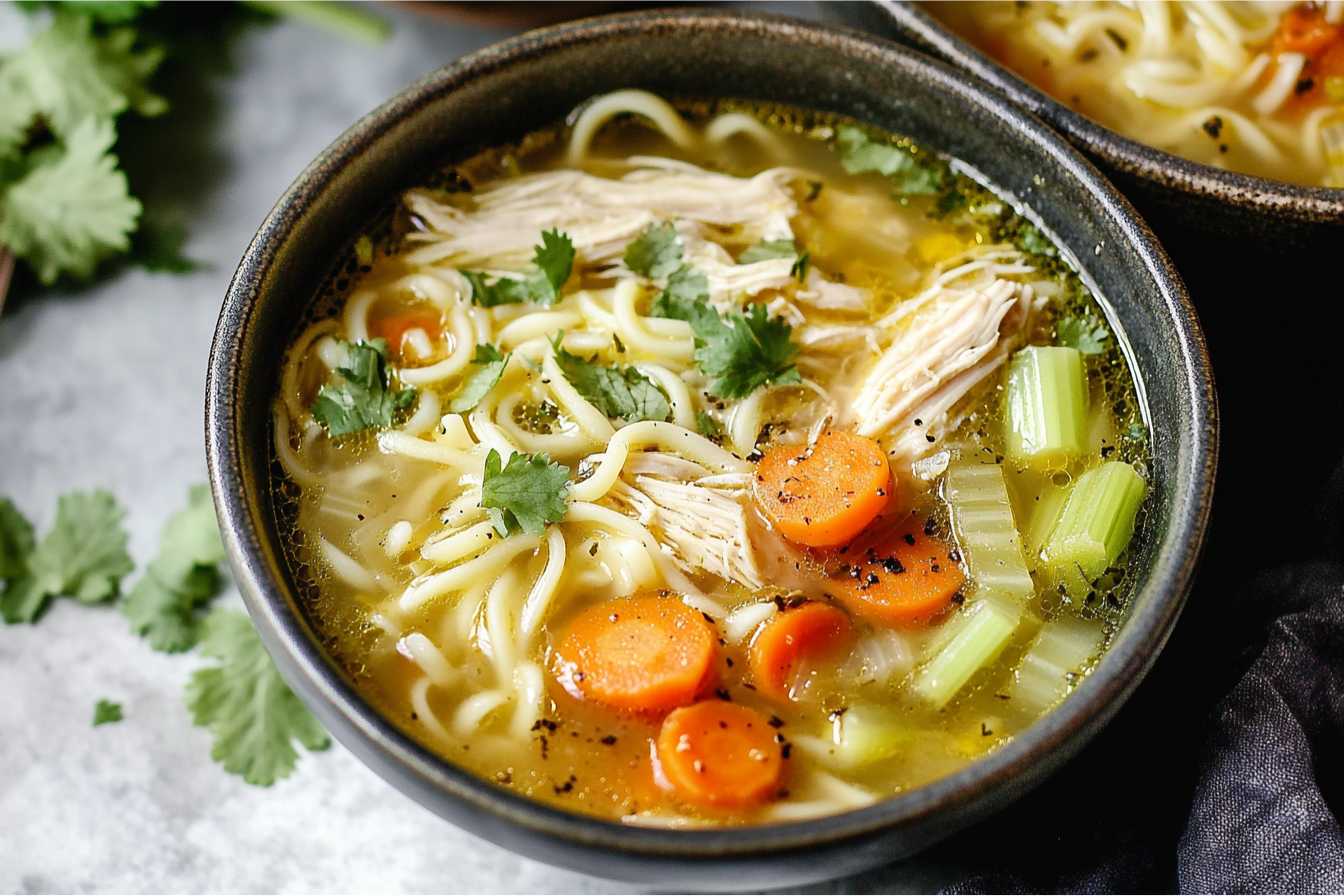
x=1177 y=195
x=503 y=92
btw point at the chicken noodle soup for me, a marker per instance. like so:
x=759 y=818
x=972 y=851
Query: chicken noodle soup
x=1252 y=87
x=710 y=464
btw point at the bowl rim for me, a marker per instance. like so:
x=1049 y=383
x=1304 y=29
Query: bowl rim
x=428 y=778
x=1262 y=195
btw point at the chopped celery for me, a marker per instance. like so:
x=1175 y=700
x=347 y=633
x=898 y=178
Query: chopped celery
x=864 y=734
x=1094 y=527
x=1046 y=420
x=982 y=517
x=1060 y=651
x=970 y=640
x=1049 y=502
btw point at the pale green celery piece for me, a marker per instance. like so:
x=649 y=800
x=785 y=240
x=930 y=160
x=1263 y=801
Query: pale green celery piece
x=864 y=734
x=982 y=517
x=973 y=639
x=1061 y=650
x=1095 y=526
x=1046 y=420
x=1044 y=514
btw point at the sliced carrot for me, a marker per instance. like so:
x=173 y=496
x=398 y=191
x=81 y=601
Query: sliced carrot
x=898 y=576
x=720 y=754
x=824 y=495
x=814 y=630
x=1303 y=29
x=647 y=653
x=394 y=327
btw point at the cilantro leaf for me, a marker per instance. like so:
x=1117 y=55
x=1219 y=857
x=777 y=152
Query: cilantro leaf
x=109 y=12
x=619 y=392
x=360 y=394
x=72 y=208
x=553 y=260
x=709 y=427
x=1088 y=336
x=909 y=174
x=476 y=385
x=765 y=250
x=163 y=606
x=16 y=540
x=753 y=351
x=253 y=715
x=69 y=75
x=800 y=266
x=656 y=253
x=739 y=352
x=106 y=712
x=84 y=555
x=525 y=494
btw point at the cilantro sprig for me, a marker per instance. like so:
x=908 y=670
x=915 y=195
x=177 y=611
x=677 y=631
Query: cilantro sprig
x=360 y=394
x=622 y=393
x=83 y=557
x=766 y=250
x=656 y=252
x=164 y=605
x=1086 y=335
x=525 y=494
x=253 y=715
x=910 y=174
x=552 y=260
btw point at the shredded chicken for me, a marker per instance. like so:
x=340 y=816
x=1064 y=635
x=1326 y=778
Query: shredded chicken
x=603 y=215
x=704 y=522
x=944 y=342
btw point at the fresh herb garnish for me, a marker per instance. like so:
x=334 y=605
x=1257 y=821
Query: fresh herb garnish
x=163 y=607
x=254 y=716
x=105 y=712
x=738 y=352
x=622 y=393
x=766 y=250
x=656 y=253
x=1088 y=336
x=910 y=174
x=83 y=556
x=709 y=427
x=360 y=395
x=553 y=260
x=525 y=494
x=489 y=367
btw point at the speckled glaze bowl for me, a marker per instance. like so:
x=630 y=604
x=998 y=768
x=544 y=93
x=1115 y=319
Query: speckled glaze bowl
x=1179 y=197
x=499 y=94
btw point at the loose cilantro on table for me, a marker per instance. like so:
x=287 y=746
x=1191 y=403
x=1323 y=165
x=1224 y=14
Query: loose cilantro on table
x=254 y=716
x=360 y=394
x=105 y=712
x=164 y=605
x=83 y=556
x=553 y=260
x=1088 y=336
x=489 y=366
x=656 y=253
x=525 y=494
x=619 y=392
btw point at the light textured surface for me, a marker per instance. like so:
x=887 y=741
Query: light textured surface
x=102 y=387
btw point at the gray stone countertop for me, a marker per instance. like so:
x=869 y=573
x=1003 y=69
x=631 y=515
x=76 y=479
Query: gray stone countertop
x=102 y=387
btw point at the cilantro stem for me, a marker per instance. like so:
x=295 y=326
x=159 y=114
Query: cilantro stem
x=6 y=273
x=339 y=18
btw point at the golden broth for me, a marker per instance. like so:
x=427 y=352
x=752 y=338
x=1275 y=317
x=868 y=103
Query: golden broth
x=1218 y=83
x=446 y=670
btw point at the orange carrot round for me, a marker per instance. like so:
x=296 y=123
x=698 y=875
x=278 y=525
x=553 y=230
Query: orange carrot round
x=647 y=653
x=900 y=576
x=824 y=495
x=394 y=327
x=812 y=630
x=719 y=754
